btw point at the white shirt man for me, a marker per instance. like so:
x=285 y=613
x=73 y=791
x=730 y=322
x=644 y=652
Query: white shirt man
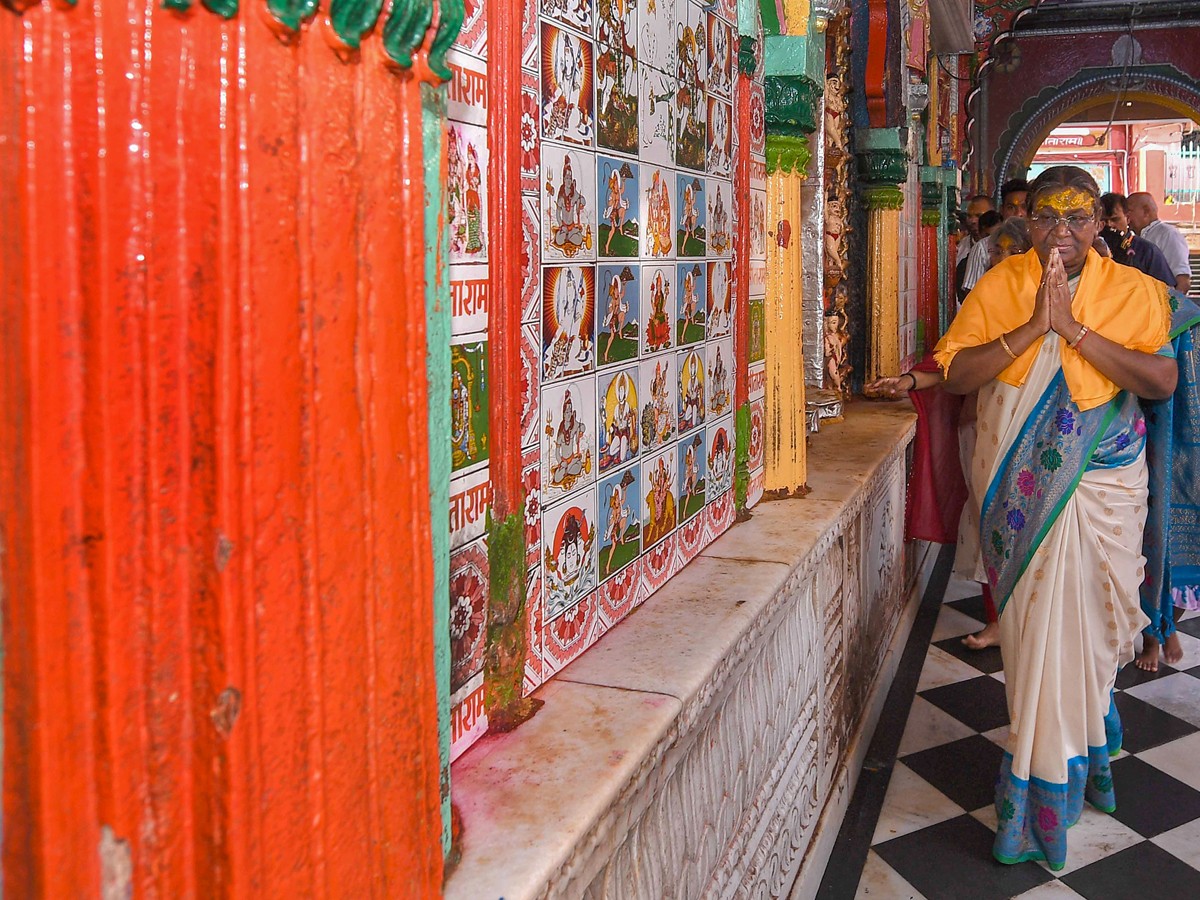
x=1142 y=212
x=977 y=206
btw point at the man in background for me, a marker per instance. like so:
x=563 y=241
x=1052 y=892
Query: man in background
x=1126 y=247
x=976 y=207
x=1012 y=203
x=1142 y=212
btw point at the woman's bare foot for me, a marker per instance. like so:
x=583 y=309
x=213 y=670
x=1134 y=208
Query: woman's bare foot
x=1172 y=649
x=989 y=637
x=1147 y=660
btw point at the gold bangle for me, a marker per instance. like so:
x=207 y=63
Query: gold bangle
x=1082 y=333
x=1007 y=349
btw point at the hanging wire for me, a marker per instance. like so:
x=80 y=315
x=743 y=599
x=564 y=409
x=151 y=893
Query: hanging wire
x=1123 y=84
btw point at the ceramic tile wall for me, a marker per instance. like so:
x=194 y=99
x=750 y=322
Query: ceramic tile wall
x=629 y=145
x=910 y=226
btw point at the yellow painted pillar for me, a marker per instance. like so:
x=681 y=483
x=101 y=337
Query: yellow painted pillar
x=883 y=203
x=785 y=429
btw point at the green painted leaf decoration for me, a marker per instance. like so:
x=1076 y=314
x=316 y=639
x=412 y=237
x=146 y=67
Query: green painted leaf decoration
x=177 y=5
x=226 y=9
x=353 y=18
x=405 y=29
x=291 y=13
x=450 y=20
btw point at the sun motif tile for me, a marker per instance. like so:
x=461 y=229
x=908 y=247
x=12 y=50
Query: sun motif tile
x=568 y=318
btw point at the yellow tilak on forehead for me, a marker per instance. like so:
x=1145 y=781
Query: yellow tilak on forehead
x=1065 y=200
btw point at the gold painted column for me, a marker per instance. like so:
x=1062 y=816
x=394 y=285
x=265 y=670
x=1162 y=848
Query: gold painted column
x=883 y=203
x=785 y=455
x=882 y=165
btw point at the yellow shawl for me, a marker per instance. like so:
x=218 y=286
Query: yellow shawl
x=1113 y=300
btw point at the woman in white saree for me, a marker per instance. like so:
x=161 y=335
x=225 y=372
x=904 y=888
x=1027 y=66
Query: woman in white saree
x=1060 y=344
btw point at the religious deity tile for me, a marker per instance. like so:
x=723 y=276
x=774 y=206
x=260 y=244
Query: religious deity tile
x=619 y=434
x=466 y=192
x=721 y=51
x=569 y=552
x=758 y=224
x=720 y=379
x=656 y=116
x=467 y=92
x=569 y=437
x=693 y=474
x=567 y=86
x=656 y=34
x=468 y=299
x=620 y=206
x=657 y=388
x=658 y=308
x=691 y=404
x=691 y=228
x=530 y=144
x=468 y=611
x=691 y=310
x=719 y=200
x=656 y=212
x=691 y=108
x=568 y=320
x=579 y=14
x=757 y=345
x=618 y=312
x=660 y=494
x=719 y=159
x=568 y=204
x=469 y=431
x=620 y=521
x=617 y=76
x=719 y=456
x=720 y=299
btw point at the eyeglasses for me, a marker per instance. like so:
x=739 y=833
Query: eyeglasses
x=1048 y=221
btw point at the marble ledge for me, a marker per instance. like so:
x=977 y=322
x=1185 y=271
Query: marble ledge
x=548 y=804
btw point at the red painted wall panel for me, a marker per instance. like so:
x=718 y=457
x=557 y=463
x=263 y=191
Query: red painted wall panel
x=217 y=565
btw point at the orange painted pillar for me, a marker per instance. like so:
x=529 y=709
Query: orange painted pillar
x=214 y=499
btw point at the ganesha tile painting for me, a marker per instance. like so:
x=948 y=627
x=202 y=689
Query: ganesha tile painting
x=620 y=521
x=691 y=226
x=566 y=69
x=568 y=553
x=657 y=387
x=619 y=205
x=658 y=308
x=619 y=436
x=720 y=150
x=618 y=311
x=691 y=404
x=720 y=56
x=719 y=457
x=720 y=227
x=568 y=204
x=576 y=13
x=466 y=192
x=569 y=437
x=693 y=473
x=660 y=492
x=617 y=76
x=690 y=310
x=568 y=316
x=469 y=433
x=656 y=213
x=720 y=299
x=719 y=371
x=691 y=107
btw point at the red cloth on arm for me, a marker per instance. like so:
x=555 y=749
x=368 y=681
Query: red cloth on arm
x=936 y=488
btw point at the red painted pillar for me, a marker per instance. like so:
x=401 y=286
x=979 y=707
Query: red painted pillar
x=927 y=300
x=214 y=512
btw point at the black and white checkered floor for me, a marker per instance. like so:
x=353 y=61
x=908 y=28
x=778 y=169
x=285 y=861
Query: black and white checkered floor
x=933 y=833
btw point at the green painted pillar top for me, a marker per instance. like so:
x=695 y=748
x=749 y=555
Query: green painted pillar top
x=882 y=159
